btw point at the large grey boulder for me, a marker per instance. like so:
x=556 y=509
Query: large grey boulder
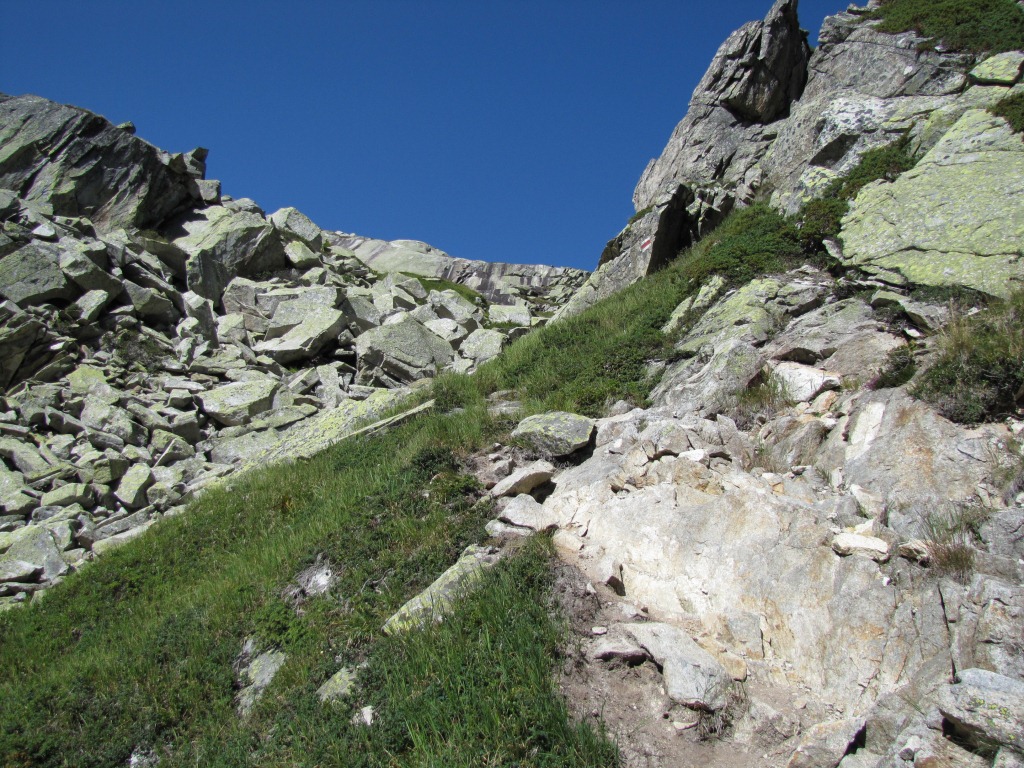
x=81 y=165
x=318 y=326
x=405 y=350
x=223 y=244
x=556 y=433
x=32 y=275
x=237 y=403
x=297 y=225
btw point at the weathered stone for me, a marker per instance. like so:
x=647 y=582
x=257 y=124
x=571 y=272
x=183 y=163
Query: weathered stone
x=319 y=326
x=481 y=345
x=32 y=274
x=1001 y=69
x=515 y=314
x=988 y=705
x=256 y=673
x=340 y=684
x=18 y=570
x=802 y=383
x=66 y=495
x=132 y=490
x=933 y=225
x=556 y=433
x=825 y=744
x=223 y=244
x=754 y=77
x=405 y=350
x=81 y=165
x=849 y=543
x=692 y=676
x=295 y=224
x=524 y=480
x=34 y=544
x=237 y=403
x=439 y=598
x=525 y=512
x=495 y=281
x=119 y=540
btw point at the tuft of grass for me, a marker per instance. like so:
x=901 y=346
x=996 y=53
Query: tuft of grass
x=760 y=402
x=978 y=374
x=898 y=369
x=950 y=533
x=1012 y=109
x=970 y=26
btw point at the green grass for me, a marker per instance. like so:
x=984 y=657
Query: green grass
x=972 y=26
x=978 y=374
x=585 y=363
x=137 y=649
x=1012 y=109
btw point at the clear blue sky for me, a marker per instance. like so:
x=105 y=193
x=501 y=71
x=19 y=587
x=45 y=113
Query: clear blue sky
x=509 y=130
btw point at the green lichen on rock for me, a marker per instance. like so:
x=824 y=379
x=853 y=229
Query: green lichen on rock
x=439 y=598
x=934 y=225
x=556 y=433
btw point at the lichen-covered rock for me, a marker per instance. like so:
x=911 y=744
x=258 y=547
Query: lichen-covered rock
x=222 y=244
x=1001 y=69
x=934 y=225
x=405 y=350
x=32 y=275
x=438 y=599
x=318 y=327
x=237 y=403
x=81 y=165
x=482 y=344
x=556 y=433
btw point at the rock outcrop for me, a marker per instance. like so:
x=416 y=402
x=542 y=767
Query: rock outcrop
x=792 y=547
x=771 y=120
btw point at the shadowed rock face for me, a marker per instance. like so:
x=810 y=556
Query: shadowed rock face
x=81 y=165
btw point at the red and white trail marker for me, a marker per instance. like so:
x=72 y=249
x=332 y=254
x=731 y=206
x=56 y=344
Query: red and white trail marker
x=646 y=243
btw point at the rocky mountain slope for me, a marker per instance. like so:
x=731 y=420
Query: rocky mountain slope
x=155 y=335
x=804 y=548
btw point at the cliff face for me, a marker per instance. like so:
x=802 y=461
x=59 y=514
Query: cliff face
x=771 y=120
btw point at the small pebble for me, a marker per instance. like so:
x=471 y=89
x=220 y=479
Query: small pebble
x=599 y=630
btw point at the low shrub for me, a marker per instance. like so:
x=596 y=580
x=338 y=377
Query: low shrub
x=1012 y=109
x=821 y=219
x=751 y=242
x=971 y=26
x=978 y=374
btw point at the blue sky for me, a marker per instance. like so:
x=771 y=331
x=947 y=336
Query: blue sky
x=504 y=131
